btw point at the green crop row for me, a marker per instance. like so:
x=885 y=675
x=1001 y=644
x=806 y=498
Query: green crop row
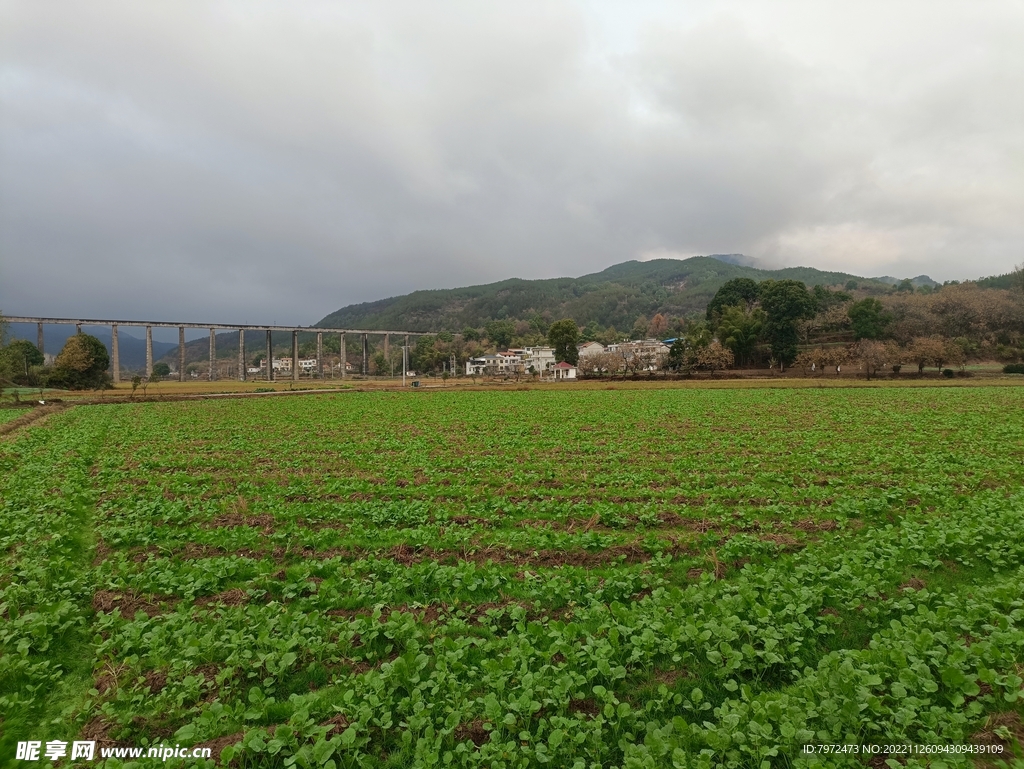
x=662 y=578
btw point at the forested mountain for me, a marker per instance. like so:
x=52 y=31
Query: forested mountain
x=613 y=297
x=618 y=297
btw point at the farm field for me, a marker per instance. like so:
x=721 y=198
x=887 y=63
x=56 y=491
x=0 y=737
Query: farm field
x=9 y=415
x=581 y=578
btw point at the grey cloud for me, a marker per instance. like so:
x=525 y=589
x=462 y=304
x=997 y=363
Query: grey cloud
x=256 y=161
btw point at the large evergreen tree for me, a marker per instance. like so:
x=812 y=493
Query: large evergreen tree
x=869 y=319
x=564 y=335
x=784 y=302
x=738 y=291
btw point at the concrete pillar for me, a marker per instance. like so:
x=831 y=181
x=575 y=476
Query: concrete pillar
x=320 y=354
x=181 y=353
x=213 y=354
x=387 y=348
x=405 y=362
x=39 y=338
x=241 y=355
x=295 y=356
x=115 y=357
x=344 y=355
x=270 y=356
x=78 y=328
x=149 y=352
x=366 y=356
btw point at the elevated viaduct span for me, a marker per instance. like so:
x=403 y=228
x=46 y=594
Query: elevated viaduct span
x=115 y=362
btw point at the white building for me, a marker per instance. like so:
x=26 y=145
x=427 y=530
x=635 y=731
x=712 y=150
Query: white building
x=280 y=364
x=590 y=348
x=642 y=355
x=563 y=370
x=517 y=360
x=540 y=358
x=507 y=362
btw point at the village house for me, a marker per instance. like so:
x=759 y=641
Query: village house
x=641 y=355
x=590 y=348
x=506 y=362
x=540 y=359
x=563 y=370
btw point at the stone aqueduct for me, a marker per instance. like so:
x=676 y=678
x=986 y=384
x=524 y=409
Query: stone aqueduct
x=214 y=328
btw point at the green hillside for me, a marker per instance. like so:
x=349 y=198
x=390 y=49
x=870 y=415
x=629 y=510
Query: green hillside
x=613 y=297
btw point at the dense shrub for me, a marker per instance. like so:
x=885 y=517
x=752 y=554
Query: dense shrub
x=1013 y=368
x=81 y=365
x=19 y=362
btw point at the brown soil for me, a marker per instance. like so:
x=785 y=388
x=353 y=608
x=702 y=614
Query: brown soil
x=408 y=556
x=195 y=551
x=105 y=683
x=477 y=612
x=33 y=415
x=1012 y=722
x=785 y=542
x=156 y=680
x=279 y=554
x=98 y=730
x=218 y=744
x=209 y=671
x=588 y=707
x=349 y=613
x=233 y=597
x=468 y=520
x=430 y=613
x=265 y=521
x=810 y=525
x=913 y=584
x=131 y=603
x=336 y=725
x=473 y=731
x=669 y=677
x=666 y=519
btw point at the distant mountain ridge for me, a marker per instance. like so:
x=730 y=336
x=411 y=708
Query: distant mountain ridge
x=615 y=296
x=920 y=280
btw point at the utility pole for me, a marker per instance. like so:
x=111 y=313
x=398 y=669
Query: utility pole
x=405 y=362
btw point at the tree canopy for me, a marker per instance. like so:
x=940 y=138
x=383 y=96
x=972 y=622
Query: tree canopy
x=81 y=365
x=785 y=302
x=869 y=319
x=564 y=336
x=740 y=330
x=738 y=291
x=501 y=332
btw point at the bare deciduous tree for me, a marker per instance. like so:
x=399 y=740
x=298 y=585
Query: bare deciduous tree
x=715 y=357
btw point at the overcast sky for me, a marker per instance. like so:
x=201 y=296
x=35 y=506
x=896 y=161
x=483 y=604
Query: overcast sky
x=271 y=162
